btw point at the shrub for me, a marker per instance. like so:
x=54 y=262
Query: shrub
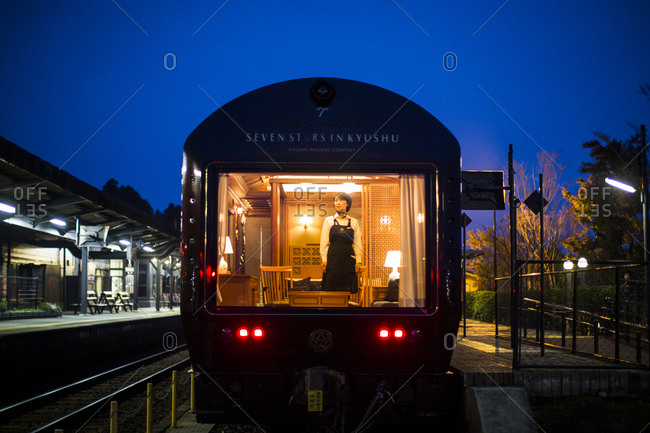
x=3 y=306
x=46 y=306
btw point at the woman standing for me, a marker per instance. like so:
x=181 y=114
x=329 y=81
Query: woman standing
x=340 y=247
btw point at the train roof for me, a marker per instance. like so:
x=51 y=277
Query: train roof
x=329 y=121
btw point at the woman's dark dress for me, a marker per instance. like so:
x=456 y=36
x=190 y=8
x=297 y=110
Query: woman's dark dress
x=339 y=273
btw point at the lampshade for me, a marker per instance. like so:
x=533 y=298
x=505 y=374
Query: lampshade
x=223 y=265
x=393 y=260
x=229 y=249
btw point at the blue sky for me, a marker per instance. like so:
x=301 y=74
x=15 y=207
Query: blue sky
x=116 y=83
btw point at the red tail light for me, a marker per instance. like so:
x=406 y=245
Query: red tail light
x=242 y=333
x=258 y=333
x=397 y=333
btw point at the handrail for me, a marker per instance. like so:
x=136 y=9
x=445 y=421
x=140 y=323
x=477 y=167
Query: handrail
x=572 y=271
x=588 y=313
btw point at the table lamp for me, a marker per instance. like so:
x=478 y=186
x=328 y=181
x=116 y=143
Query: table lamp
x=223 y=265
x=393 y=260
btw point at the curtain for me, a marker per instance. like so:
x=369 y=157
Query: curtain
x=222 y=223
x=412 y=214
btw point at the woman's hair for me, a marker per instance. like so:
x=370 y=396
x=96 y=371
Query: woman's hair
x=345 y=196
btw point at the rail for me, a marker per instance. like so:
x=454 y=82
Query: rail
x=591 y=323
x=86 y=412
x=31 y=403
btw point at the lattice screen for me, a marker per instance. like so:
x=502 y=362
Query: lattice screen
x=305 y=260
x=381 y=231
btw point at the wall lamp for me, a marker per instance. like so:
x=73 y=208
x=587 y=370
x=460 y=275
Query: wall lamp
x=305 y=221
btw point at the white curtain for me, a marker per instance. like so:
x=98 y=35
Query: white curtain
x=222 y=223
x=412 y=214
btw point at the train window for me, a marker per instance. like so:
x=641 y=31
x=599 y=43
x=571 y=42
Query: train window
x=277 y=220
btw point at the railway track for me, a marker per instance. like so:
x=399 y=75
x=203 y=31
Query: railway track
x=84 y=405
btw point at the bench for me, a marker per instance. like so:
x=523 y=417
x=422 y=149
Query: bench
x=123 y=299
x=108 y=299
x=95 y=305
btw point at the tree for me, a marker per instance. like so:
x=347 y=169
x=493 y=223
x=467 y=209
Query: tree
x=171 y=215
x=127 y=194
x=611 y=218
x=560 y=225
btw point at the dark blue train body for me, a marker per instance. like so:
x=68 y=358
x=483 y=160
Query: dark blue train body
x=320 y=364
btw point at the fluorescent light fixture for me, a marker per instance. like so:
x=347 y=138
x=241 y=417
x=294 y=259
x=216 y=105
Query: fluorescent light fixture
x=314 y=191
x=620 y=185
x=294 y=176
x=58 y=222
x=148 y=249
x=125 y=242
x=6 y=208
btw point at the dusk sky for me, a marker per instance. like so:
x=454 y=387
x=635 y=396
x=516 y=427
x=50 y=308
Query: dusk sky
x=111 y=89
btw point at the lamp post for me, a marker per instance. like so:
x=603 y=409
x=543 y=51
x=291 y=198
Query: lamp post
x=644 y=190
x=644 y=207
x=465 y=220
x=644 y=195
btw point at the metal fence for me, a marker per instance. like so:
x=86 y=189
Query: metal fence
x=20 y=292
x=594 y=317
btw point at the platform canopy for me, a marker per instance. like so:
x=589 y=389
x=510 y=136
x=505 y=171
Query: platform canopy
x=45 y=206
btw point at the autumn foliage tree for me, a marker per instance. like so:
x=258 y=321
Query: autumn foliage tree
x=560 y=224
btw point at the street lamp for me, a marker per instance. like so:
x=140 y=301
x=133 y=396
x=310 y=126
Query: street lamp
x=644 y=191
x=620 y=185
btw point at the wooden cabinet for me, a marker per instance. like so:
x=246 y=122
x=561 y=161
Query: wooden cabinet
x=304 y=298
x=237 y=290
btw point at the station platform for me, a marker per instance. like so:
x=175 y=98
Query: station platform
x=69 y=320
x=44 y=353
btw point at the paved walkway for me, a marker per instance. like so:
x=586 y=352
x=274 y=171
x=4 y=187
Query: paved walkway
x=480 y=351
x=483 y=360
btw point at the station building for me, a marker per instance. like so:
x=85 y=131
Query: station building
x=61 y=238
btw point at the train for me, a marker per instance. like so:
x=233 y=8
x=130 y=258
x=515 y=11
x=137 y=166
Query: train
x=258 y=177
